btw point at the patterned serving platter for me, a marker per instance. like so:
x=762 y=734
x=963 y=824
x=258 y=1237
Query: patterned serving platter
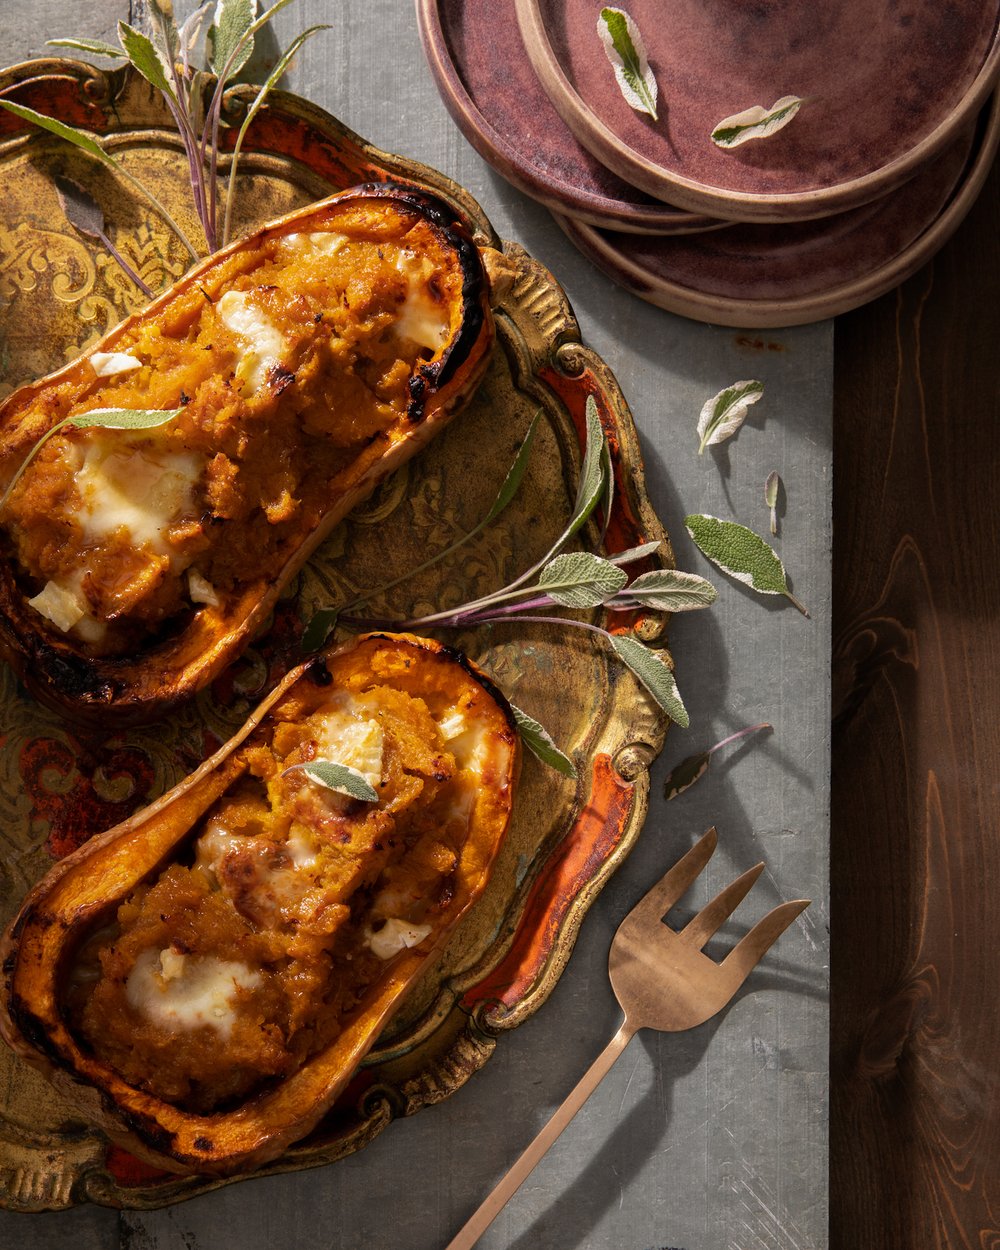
x=59 y=785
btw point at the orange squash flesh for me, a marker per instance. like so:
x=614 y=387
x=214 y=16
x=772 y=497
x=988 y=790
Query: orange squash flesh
x=478 y=751
x=305 y=362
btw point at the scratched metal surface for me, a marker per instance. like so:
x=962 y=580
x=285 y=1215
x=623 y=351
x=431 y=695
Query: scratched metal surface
x=711 y=1140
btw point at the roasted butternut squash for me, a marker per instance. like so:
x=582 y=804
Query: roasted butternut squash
x=304 y=364
x=205 y=978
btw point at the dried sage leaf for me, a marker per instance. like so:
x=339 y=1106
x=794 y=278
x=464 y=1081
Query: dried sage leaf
x=756 y=122
x=724 y=413
x=627 y=54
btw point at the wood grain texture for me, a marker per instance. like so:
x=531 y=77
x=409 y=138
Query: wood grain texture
x=915 y=1116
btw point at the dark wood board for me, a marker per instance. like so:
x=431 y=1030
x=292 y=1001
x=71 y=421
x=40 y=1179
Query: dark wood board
x=915 y=1115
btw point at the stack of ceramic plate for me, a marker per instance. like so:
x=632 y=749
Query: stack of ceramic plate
x=897 y=132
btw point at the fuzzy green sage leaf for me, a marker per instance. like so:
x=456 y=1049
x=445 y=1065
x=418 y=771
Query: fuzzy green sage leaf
x=95 y=47
x=739 y=552
x=724 y=413
x=539 y=742
x=591 y=484
x=654 y=675
x=670 y=590
x=756 y=122
x=627 y=53
x=579 y=579
x=339 y=777
x=147 y=58
x=229 y=36
x=105 y=418
x=515 y=474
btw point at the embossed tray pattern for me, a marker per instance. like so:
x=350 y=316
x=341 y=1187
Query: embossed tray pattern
x=59 y=785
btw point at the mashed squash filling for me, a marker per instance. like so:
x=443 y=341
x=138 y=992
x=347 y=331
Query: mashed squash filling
x=285 y=361
x=252 y=950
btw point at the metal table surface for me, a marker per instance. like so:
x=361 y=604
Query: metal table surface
x=712 y=1139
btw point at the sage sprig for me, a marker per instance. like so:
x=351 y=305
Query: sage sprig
x=627 y=53
x=322 y=622
x=771 y=489
x=340 y=777
x=683 y=775
x=723 y=414
x=84 y=214
x=166 y=59
x=539 y=742
x=756 y=122
x=97 y=418
x=82 y=140
x=739 y=552
x=582 y=579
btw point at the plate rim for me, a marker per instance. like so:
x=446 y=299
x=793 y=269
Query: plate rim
x=689 y=193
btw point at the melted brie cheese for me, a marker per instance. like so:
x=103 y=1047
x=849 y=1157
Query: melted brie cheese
x=421 y=318
x=176 y=991
x=316 y=242
x=358 y=744
x=142 y=492
x=264 y=341
x=396 y=935
x=107 y=364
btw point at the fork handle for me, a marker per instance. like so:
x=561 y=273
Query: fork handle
x=473 y=1229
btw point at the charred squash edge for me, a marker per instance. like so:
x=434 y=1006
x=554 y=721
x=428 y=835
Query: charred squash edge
x=41 y=940
x=120 y=691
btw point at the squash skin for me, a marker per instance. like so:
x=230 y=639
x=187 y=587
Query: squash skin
x=117 y=691
x=84 y=889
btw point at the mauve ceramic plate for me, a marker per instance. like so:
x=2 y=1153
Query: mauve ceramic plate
x=888 y=84
x=481 y=68
x=758 y=275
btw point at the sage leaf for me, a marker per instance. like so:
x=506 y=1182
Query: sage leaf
x=147 y=58
x=771 y=488
x=739 y=552
x=81 y=209
x=539 y=742
x=95 y=47
x=591 y=484
x=669 y=590
x=84 y=215
x=77 y=137
x=635 y=553
x=318 y=629
x=230 y=36
x=683 y=775
x=109 y=418
x=654 y=675
x=608 y=494
x=724 y=413
x=122 y=418
x=581 y=580
x=515 y=474
x=627 y=54
x=339 y=777
x=756 y=122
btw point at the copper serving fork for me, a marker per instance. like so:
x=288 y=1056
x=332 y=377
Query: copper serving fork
x=662 y=981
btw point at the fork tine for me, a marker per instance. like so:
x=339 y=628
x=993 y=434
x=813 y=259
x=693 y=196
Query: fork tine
x=698 y=930
x=748 y=952
x=657 y=901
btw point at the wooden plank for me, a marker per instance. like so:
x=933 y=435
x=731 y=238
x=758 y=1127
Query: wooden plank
x=915 y=1131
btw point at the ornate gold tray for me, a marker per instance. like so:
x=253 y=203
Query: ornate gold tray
x=58 y=786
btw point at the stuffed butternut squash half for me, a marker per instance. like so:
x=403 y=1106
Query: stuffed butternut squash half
x=205 y=978
x=300 y=365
